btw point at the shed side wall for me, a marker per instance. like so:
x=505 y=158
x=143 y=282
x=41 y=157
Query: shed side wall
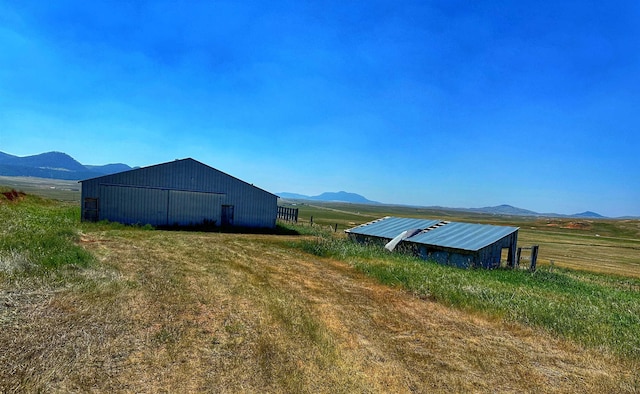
x=489 y=256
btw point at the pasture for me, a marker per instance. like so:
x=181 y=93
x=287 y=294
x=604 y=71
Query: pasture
x=105 y=307
x=595 y=245
x=55 y=189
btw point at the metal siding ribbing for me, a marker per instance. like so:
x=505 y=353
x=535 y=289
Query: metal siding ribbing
x=253 y=207
x=190 y=208
x=131 y=205
x=390 y=227
x=465 y=236
x=453 y=235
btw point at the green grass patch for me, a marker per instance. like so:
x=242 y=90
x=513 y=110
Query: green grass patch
x=38 y=234
x=596 y=310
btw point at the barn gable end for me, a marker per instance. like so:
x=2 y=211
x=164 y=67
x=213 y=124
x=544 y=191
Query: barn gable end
x=181 y=192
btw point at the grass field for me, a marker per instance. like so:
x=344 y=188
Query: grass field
x=603 y=245
x=600 y=311
x=128 y=309
x=55 y=189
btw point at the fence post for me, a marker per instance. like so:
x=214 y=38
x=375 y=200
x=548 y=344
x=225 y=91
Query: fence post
x=534 y=258
x=518 y=257
x=336 y=228
x=311 y=221
x=511 y=258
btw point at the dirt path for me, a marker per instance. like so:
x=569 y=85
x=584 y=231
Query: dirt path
x=192 y=312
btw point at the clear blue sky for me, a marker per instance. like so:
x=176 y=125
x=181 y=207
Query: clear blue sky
x=456 y=103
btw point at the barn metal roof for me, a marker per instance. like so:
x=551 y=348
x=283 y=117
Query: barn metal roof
x=455 y=235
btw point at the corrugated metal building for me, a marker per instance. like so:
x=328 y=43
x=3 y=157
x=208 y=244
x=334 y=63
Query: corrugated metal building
x=461 y=244
x=182 y=192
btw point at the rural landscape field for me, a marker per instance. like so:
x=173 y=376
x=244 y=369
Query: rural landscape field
x=103 y=307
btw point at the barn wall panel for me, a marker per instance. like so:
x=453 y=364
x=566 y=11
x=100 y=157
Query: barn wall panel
x=253 y=207
x=192 y=208
x=133 y=205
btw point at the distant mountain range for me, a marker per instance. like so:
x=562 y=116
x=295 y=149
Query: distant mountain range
x=56 y=165
x=510 y=210
x=504 y=209
x=329 y=196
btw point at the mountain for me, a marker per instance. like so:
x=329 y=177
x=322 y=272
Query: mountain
x=341 y=196
x=51 y=160
x=588 y=215
x=109 y=168
x=5 y=156
x=293 y=196
x=55 y=165
x=505 y=209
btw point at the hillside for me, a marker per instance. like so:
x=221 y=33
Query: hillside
x=340 y=196
x=588 y=215
x=53 y=165
x=503 y=210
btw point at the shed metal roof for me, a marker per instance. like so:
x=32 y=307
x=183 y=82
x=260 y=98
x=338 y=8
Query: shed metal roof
x=389 y=227
x=455 y=235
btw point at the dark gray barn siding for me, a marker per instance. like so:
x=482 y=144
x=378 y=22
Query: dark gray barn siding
x=180 y=192
x=126 y=204
x=487 y=257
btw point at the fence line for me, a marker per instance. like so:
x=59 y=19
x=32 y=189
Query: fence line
x=292 y=217
x=533 y=256
x=288 y=214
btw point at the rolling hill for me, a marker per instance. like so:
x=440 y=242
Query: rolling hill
x=340 y=196
x=503 y=210
x=54 y=165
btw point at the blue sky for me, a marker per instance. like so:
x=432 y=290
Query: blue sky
x=454 y=103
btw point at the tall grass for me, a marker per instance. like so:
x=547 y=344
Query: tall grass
x=599 y=311
x=37 y=234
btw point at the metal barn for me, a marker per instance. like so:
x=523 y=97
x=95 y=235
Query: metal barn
x=182 y=192
x=464 y=245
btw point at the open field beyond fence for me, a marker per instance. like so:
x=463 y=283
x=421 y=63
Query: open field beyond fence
x=602 y=245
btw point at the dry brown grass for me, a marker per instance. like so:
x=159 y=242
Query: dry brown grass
x=602 y=245
x=587 y=252
x=194 y=312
